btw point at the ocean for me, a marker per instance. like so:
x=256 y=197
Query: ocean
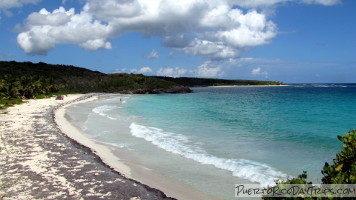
x=217 y=137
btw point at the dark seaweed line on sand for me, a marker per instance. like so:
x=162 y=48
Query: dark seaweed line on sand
x=117 y=193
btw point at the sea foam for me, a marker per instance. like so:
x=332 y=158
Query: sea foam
x=181 y=145
x=101 y=110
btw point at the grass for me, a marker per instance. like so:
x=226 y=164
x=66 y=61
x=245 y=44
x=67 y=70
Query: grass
x=45 y=96
x=5 y=103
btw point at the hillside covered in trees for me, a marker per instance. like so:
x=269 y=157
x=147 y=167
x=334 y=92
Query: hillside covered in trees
x=26 y=79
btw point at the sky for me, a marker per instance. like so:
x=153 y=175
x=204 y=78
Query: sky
x=293 y=41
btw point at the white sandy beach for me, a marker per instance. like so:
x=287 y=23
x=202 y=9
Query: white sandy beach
x=34 y=157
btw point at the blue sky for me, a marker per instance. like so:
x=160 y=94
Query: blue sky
x=294 y=41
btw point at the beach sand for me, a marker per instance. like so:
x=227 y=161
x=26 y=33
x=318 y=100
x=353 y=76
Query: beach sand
x=39 y=162
x=44 y=157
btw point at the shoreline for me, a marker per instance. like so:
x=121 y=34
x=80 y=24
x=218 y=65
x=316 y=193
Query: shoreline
x=121 y=161
x=73 y=133
x=38 y=161
x=44 y=156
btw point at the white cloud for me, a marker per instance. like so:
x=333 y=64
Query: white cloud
x=7 y=4
x=172 y=72
x=323 y=2
x=256 y=71
x=205 y=28
x=44 y=30
x=145 y=70
x=257 y=3
x=266 y=3
x=153 y=55
x=254 y=30
x=212 y=29
x=208 y=69
x=210 y=49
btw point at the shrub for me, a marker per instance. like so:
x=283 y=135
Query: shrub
x=343 y=169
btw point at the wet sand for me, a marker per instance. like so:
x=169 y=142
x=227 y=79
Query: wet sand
x=38 y=161
x=43 y=156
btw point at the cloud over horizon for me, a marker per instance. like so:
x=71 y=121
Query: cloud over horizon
x=214 y=30
x=153 y=55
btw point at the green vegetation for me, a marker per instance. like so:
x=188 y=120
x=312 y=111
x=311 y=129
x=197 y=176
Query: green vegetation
x=342 y=171
x=62 y=78
x=24 y=80
x=30 y=80
x=5 y=103
x=202 y=82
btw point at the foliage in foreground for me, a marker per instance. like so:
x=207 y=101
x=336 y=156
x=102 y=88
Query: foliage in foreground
x=342 y=171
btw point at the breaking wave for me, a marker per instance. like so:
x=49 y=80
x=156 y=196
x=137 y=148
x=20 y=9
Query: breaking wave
x=101 y=110
x=181 y=145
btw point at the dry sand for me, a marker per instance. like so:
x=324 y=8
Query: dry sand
x=38 y=161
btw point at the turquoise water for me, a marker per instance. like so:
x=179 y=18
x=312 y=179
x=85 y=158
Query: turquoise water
x=215 y=137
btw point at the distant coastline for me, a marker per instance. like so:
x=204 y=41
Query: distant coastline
x=247 y=86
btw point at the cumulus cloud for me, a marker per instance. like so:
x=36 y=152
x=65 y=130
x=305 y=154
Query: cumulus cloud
x=210 y=49
x=143 y=70
x=212 y=29
x=216 y=29
x=153 y=55
x=173 y=72
x=209 y=69
x=44 y=30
